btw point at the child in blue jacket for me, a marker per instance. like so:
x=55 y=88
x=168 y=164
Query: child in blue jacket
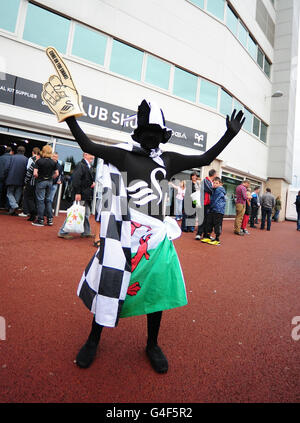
x=216 y=213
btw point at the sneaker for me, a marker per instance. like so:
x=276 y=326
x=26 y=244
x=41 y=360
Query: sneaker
x=12 y=212
x=214 y=242
x=206 y=240
x=22 y=215
x=197 y=237
x=87 y=236
x=246 y=232
x=49 y=222
x=65 y=236
x=239 y=233
x=38 y=223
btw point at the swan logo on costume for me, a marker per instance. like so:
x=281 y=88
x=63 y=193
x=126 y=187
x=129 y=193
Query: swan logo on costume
x=146 y=194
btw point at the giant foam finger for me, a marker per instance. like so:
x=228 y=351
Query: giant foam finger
x=60 y=67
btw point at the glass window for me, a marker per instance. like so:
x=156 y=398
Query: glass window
x=126 y=60
x=252 y=47
x=263 y=132
x=267 y=67
x=216 y=8
x=46 y=28
x=248 y=121
x=8 y=15
x=209 y=93
x=199 y=3
x=231 y=20
x=242 y=34
x=237 y=105
x=260 y=58
x=185 y=84
x=157 y=72
x=225 y=103
x=89 y=44
x=256 y=125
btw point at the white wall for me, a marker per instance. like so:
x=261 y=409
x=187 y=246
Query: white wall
x=184 y=35
x=281 y=138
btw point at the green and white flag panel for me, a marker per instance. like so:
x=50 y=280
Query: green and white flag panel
x=156 y=280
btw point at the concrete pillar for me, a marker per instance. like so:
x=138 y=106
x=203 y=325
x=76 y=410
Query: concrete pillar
x=216 y=164
x=279 y=187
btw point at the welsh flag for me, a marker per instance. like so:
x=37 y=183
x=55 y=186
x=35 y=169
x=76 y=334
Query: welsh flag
x=156 y=280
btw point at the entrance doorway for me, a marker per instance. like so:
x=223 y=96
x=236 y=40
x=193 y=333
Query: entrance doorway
x=69 y=155
x=13 y=138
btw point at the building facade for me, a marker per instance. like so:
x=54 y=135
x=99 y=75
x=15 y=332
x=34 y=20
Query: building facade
x=198 y=59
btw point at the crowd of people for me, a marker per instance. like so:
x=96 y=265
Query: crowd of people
x=32 y=184
x=210 y=210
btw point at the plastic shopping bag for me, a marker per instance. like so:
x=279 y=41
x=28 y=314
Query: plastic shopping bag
x=196 y=198
x=75 y=219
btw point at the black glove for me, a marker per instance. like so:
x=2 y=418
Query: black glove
x=235 y=123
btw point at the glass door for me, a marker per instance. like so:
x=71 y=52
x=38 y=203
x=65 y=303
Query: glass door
x=69 y=155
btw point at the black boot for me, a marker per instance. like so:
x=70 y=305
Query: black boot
x=87 y=353
x=157 y=358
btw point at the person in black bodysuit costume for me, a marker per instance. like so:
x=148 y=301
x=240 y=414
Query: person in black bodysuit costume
x=138 y=165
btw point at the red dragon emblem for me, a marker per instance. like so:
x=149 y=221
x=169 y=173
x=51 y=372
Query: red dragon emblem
x=141 y=252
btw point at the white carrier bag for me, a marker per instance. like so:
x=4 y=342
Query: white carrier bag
x=75 y=218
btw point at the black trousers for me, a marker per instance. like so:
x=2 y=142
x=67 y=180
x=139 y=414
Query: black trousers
x=266 y=213
x=214 y=222
x=29 y=200
x=253 y=216
x=202 y=227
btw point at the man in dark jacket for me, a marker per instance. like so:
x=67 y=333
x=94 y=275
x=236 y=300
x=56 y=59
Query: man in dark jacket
x=267 y=205
x=4 y=166
x=83 y=185
x=255 y=204
x=15 y=179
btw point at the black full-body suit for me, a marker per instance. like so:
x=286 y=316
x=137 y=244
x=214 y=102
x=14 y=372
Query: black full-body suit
x=139 y=166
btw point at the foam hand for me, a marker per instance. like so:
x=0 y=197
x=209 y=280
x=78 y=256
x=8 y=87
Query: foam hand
x=60 y=93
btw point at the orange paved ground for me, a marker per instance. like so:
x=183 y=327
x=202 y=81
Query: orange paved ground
x=232 y=343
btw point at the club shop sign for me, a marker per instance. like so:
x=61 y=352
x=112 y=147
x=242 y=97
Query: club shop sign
x=25 y=93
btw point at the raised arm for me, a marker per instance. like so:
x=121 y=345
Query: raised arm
x=113 y=155
x=179 y=162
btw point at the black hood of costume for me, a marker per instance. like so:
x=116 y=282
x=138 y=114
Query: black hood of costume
x=150 y=119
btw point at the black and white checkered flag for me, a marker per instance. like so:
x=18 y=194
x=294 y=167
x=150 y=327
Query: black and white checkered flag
x=104 y=283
